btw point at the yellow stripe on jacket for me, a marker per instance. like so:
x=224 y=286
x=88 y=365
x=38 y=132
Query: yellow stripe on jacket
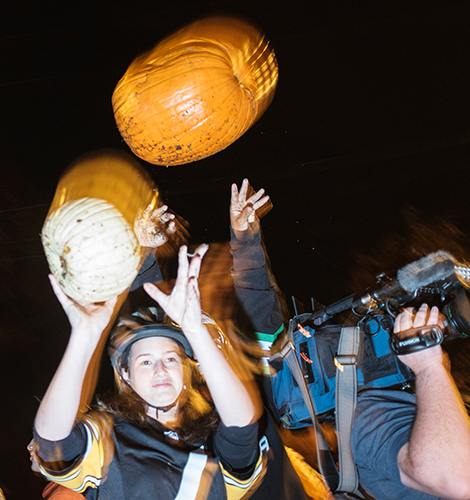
x=92 y=467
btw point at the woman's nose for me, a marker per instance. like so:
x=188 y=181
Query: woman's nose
x=160 y=368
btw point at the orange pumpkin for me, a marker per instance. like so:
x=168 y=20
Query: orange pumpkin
x=196 y=92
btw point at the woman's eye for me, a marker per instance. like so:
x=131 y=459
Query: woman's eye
x=146 y=362
x=170 y=360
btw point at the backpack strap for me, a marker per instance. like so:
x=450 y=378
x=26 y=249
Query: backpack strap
x=346 y=396
x=349 y=348
x=326 y=463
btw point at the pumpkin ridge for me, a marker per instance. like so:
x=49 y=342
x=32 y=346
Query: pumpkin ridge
x=63 y=216
x=68 y=210
x=222 y=81
x=99 y=280
x=84 y=244
x=103 y=215
x=93 y=259
x=87 y=223
x=118 y=281
x=189 y=104
x=161 y=81
x=158 y=65
x=181 y=49
x=75 y=258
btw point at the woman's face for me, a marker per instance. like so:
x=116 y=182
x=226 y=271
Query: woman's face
x=156 y=370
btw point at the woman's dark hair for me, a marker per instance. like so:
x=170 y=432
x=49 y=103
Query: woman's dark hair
x=198 y=414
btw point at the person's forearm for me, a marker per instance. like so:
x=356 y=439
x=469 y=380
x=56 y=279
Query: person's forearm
x=247 y=249
x=234 y=402
x=255 y=285
x=59 y=407
x=437 y=457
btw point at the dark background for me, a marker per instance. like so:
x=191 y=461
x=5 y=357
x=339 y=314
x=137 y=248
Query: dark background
x=369 y=125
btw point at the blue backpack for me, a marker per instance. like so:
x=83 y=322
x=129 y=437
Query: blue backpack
x=316 y=349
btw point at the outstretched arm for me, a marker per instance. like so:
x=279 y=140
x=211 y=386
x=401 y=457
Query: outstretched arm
x=255 y=286
x=233 y=401
x=436 y=458
x=59 y=407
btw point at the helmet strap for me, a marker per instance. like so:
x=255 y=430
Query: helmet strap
x=164 y=409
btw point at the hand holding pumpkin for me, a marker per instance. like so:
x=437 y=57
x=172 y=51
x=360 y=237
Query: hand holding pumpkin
x=91 y=319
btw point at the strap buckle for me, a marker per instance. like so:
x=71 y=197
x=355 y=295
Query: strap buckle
x=342 y=360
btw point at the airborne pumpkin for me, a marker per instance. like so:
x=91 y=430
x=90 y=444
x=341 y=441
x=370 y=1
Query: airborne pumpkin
x=91 y=249
x=196 y=92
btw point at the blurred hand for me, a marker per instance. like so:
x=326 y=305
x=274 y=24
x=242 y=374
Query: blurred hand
x=243 y=210
x=176 y=303
x=91 y=318
x=426 y=358
x=152 y=227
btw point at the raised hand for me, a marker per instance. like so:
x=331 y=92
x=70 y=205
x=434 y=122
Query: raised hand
x=59 y=407
x=175 y=303
x=92 y=318
x=191 y=321
x=153 y=227
x=243 y=210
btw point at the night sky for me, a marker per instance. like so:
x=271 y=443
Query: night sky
x=369 y=124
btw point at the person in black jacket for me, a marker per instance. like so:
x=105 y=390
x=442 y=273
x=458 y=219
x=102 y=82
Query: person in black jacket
x=170 y=434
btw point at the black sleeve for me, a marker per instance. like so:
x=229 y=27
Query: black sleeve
x=255 y=286
x=149 y=273
x=59 y=455
x=237 y=448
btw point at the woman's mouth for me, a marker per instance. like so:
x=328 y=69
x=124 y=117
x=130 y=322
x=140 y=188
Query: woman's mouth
x=161 y=384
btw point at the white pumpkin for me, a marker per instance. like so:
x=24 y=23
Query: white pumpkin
x=91 y=249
